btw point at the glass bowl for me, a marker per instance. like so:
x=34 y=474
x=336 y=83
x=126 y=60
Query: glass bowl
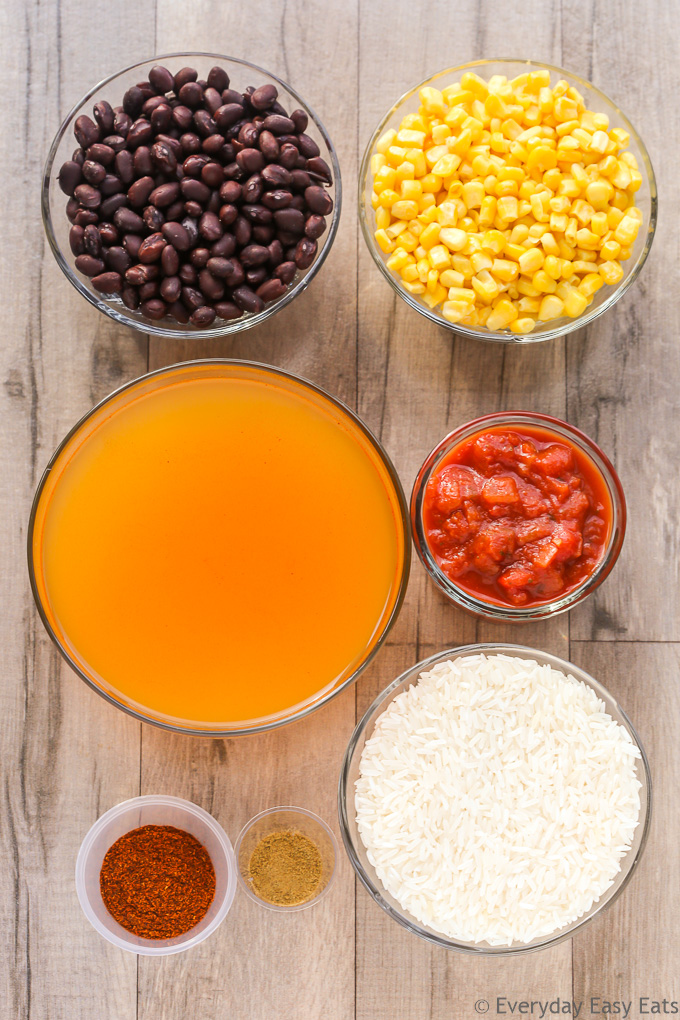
x=356 y=850
x=276 y=819
x=339 y=416
x=154 y=810
x=551 y=607
x=646 y=199
x=57 y=226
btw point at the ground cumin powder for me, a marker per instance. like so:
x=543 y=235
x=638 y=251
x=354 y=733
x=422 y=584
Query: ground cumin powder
x=285 y=868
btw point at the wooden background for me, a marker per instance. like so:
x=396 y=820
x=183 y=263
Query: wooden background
x=67 y=756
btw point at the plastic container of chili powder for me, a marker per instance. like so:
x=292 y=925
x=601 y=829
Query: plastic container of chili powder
x=154 y=810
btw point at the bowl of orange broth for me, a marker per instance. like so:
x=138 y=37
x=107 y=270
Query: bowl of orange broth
x=219 y=547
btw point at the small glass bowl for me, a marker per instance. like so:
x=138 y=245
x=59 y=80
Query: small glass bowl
x=356 y=851
x=552 y=607
x=276 y=819
x=154 y=810
x=646 y=199
x=112 y=89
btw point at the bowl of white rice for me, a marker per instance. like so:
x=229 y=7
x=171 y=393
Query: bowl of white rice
x=494 y=799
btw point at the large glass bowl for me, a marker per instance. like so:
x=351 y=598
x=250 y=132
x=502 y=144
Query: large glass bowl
x=562 y=430
x=646 y=199
x=57 y=226
x=356 y=850
x=193 y=372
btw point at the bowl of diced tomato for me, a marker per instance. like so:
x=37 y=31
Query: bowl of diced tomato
x=518 y=516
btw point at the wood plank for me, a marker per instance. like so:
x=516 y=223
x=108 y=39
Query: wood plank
x=418 y=381
x=262 y=964
x=631 y=951
x=67 y=756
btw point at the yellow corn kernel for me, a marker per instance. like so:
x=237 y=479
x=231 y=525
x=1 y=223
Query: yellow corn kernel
x=578 y=266
x=507 y=209
x=416 y=227
x=430 y=235
x=558 y=222
x=433 y=101
x=461 y=294
x=590 y=283
x=414 y=122
x=375 y=200
x=384 y=178
x=627 y=231
x=519 y=233
x=476 y=85
x=530 y=305
x=411 y=190
x=473 y=194
x=430 y=183
x=432 y=298
x=598 y=224
x=621 y=179
x=450 y=278
x=383 y=218
x=462 y=265
x=453 y=237
x=473 y=244
x=487 y=211
x=405 y=210
x=502 y=314
x=587 y=239
x=549 y=244
x=398 y=260
x=384 y=242
x=432 y=280
x=416 y=288
x=395 y=155
x=553 y=267
x=493 y=241
x=408 y=240
x=385 y=141
x=434 y=154
x=625 y=254
x=440 y=132
x=543 y=283
x=416 y=157
x=485 y=286
x=411 y=139
x=551 y=308
x=610 y=250
x=454 y=311
x=513 y=251
x=429 y=214
x=423 y=267
x=378 y=161
x=614 y=217
x=504 y=270
x=526 y=287
x=404 y=172
x=574 y=302
x=446 y=165
x=523 y=326
x=480 y=261
x=531 y=261
x=439 y=257
x=542 y=158
x=611 y=272
x=388 y=197
x=599 y=142
x=409 y=273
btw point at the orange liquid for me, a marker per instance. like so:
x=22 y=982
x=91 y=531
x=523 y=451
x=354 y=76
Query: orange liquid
x=219 y=545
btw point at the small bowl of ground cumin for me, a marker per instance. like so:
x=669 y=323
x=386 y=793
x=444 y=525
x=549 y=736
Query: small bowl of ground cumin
x=286 y=858
x=156 y=875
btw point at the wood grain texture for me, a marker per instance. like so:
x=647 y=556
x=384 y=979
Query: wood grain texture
x=67 y=756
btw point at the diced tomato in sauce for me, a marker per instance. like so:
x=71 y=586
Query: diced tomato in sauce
x=517 y=517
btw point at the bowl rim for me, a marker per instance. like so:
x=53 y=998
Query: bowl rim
x=296 y=810
x=413 y=673
x=499 y=336
x=552 y=607
x=155 y=946
x=402 y=522
x=117 y=313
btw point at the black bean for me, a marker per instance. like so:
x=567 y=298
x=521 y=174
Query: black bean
x=161 y=79
x=122 y=122
x=70 y=176
x=163 y=157
x=86 y=131
x=285 y=272
x=114 y=142
x=108 y=233
x=305 y=253
x=130 y=297
x=290 y=220
x=205 y=125
x=125 y=166
x=194 y=163
x=227 y=310
x=153 y=104
x=253 y=188
x=275 y=252
x=308 y=147
x=128 y=221
x=182 y=77
x=209 y=227
x=85 y=217
x=182 y=117
x=263 y=97
x=192 y=297
x=138 y=193
x=254 y=255
x=194 y=190
x=276 y=176
x=318 y=200
x=142 y=161
x=153 y=309
x=199 y=257
x=153 y=218
x=75 y=239
x=277 y=199
x=110 y=205
x=247 y=300
x=165 y=194
x=103 y=114
x=210 y=286
x=133 y=101
x=132 y=243
x=89 y=266
x=300 y=119
x=212 y=175
x=191 y=227
x=227 y=114
x=111 y=185
x=169 y=260
x=248 y=136
x=78 y=156
x=108 y=283
x=288 y=156
x=139 y=275
x=214 y=145
x=232 y=96
x=117 y=258
x=140 y=133
x=257 y=213
x=171 y=289
x=100 y=153
x=151 y=248
x=191 y=95
x=225 y=247
x=233 y=171
x=256 y=276
x=242 y=231
x=203 y=316
x=161 y=118
x=88 y=196
x=279 y=125
x=320 y=168
x=314 y=226
x=92 y=241
x=250 y=160
x=271 y=290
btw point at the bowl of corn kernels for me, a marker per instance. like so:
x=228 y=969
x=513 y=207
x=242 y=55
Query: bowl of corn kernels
x=507 y=200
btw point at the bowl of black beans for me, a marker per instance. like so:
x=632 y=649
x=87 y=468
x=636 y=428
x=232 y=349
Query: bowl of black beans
x=201 y=197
